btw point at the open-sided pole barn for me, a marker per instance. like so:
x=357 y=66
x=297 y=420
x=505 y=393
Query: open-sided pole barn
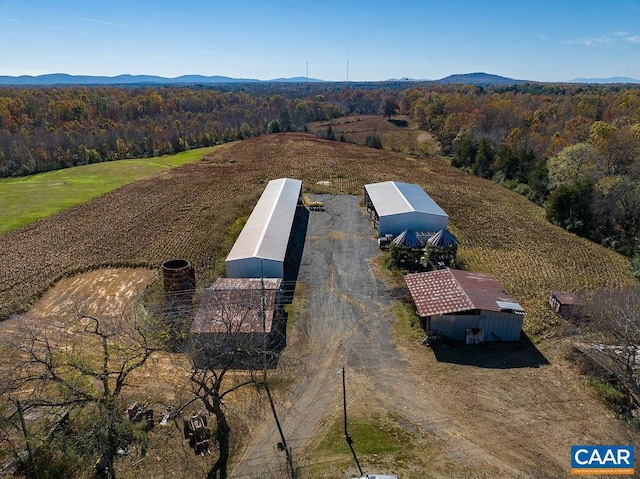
x=395 y=206
x=236 y=317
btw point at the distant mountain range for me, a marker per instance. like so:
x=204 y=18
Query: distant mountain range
x=485 y=79
x=605 y=80
x=478 y=78
x=65 y=79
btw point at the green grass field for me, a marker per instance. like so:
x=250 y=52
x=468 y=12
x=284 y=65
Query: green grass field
x=28 y=199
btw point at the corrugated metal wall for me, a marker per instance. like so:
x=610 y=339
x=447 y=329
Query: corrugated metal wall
x=497 y=326
x=254 y=268
x=261 y=247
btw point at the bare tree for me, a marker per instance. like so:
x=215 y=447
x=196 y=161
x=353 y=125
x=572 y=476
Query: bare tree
x=80 y=366
x=615 y=321
x=234 y=339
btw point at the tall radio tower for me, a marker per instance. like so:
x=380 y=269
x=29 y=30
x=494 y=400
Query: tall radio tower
x=347 y=64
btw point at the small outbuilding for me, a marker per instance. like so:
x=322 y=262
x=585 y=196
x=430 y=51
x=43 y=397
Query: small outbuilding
x=465 y=306
x=395 y=206
x=568 y=305
x=261 y=248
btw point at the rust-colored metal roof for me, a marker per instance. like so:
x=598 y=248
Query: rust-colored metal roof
x=452 y=291
x=235 y=305
x=224 y=284
x=566 y=298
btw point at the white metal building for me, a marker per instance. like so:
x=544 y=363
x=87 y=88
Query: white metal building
x=261 y=248
x=395 y=206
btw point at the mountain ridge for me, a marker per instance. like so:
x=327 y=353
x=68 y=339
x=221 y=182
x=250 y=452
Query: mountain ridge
x=480 y=79
x=128 y=79
x=476 y=78
x=605 y=80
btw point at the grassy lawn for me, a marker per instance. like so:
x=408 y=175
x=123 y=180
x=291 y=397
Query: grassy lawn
x=27 y=199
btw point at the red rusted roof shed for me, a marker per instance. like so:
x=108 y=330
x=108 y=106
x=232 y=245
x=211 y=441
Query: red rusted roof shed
x=451 y=290
x=454 y=302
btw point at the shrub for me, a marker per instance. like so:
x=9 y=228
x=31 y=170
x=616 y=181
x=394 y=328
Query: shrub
x=404 y=258
x=373 y=141
x=635 y=265
x=434 y=255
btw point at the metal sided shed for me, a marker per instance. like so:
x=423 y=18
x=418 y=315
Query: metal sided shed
x=455 y=303
x=261 y=248
x=395 y=206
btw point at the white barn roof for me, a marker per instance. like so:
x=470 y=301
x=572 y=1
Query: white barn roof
x=265 y=236
x=400 y=206
x=395 y=197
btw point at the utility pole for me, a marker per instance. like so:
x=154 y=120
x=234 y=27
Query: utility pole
x=263 y=313
x=347 y=436
x=347 y=64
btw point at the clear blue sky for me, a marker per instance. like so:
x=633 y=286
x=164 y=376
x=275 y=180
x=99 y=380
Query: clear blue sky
x=542 y=40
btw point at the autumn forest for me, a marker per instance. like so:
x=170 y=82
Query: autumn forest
x=574 y=149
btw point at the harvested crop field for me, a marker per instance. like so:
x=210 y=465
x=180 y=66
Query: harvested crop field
x=502 y=408
x=186 y=213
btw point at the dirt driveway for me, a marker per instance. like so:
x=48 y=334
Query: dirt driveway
x=505 y=411
x=343 y=324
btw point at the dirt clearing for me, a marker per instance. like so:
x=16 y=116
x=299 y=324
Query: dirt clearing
x=104 y=292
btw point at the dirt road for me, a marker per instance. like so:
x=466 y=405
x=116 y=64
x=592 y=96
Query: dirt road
x=342 y=324
x=497 y=413
x=347 y=323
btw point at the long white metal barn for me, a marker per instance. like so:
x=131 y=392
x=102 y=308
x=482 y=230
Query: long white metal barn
x=261 y=248
x=395 y=206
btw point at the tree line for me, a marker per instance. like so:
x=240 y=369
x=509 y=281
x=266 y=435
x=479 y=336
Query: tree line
x=574 y=149
x=43 y=129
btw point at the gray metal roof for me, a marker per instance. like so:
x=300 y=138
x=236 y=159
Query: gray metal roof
x=443 y=238
x=266 y=233
x=408 y=239
x=395 y=197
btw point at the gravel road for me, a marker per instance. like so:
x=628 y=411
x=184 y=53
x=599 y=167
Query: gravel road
x=345 y=323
